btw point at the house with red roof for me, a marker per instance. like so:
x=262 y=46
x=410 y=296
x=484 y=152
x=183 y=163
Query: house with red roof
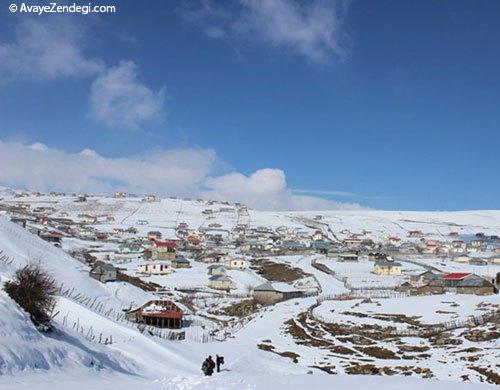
x=159 y=313
x=163 y=250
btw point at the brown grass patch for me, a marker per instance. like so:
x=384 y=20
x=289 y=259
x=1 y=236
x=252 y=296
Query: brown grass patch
x=277 y=272
x=378 y=352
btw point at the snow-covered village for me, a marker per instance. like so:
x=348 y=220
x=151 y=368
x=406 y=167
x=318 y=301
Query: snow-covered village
x=152 y=285
x=249 y=195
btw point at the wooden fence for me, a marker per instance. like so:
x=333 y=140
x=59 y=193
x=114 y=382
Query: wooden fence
x=424 y=330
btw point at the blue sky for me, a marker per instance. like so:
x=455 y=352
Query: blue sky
x=276 y=103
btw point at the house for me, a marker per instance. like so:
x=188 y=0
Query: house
x=475 y=284
x=252 y=246
x=387 y=268
x=154 y=269
x=494 y=260
x=180 y=262
x=429 y=249
x=216 y=269
x=193 y=239
x=159 y=313
x=120 y=194
x=214 y=225
x=452 y=279
x=163 y=250
x=318 y=236
x=460 y=283
x=53 y=237
x=352 y=242
x=269 y=294
x=210 y=257
x=235 y=263
x=221 y=282
x=149 y=198
x=86 y=218
x=292 y=246
x=476 y=261
x=425 y=277
x=348 y=256
x=103 y=272
x=154 y=235
x=182 y=226
x=376 y=256
x=130 y=249
x=461 y=259
x=414 y=233
x=394 y=240
x=458 y=244
x=321 y=246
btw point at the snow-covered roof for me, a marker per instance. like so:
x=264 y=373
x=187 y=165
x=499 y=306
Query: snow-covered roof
x=277 y=287
x=387 y=263
x=219 y=278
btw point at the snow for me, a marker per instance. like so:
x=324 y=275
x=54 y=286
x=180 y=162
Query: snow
x=427 y=309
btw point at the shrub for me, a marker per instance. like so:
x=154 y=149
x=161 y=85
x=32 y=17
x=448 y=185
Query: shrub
x=34 y=290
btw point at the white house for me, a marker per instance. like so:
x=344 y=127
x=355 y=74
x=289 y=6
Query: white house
x=154 y=269
x=234 y=263
x=318 y=236
x=216 y=269
x=221 y=282
x=461 y=259
x=387 y=268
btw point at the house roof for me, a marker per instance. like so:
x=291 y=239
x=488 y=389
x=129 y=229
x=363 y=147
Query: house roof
x=215 y=266
x=103 y=267
x=430 y=274
x=474 y=281
x=276 y=287
x=160 y=309
x=456 y=275
x=180 y=259
x=267 y=286
x=219 y=278
x=387 y=263
x=165 y=244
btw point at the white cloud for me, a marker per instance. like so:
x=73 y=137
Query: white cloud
x=266 y=189
x=45 y=50
x=178 y=172
x=181 y=172
x=311 y=29
x=118 y=98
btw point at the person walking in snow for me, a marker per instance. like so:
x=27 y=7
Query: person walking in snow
x=219 y=360
x=211 y=365
x=205 y=366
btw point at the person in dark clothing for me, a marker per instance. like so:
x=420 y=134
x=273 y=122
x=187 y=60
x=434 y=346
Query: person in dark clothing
x=211 y=365
x=205 y=366
x=219 y=360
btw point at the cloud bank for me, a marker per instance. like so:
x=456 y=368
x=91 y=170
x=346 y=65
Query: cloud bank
x=177 y=172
